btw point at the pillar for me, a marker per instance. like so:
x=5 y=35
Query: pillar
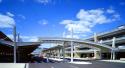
x=113 y=55
x=113 y=46
x=94 y=54
x=97 y=54
x=72 y=51
x=77 y=55
x=63 y=52
x=59 y=53
x=95 y=37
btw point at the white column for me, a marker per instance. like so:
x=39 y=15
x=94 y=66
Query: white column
x=113 y=45
x=100 y=50
x=72 y=45
x=100 y=54
x=94 y=54
x=113 y=42
x=71 y=51
x=113 y=55
x=95 y=37
x=63 y=52
x=59 y=53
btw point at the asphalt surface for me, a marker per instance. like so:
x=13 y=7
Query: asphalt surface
x=95 y=64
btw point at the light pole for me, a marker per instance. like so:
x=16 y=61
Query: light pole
x=71 y=44
x=14 y=37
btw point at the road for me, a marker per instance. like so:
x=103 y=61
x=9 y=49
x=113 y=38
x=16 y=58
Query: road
x=95 y=64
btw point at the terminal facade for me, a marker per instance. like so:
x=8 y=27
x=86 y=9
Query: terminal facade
x=114 y=39
x=7 y=50
x=107 y=45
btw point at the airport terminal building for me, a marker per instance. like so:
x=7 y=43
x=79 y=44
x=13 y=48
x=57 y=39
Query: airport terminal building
x=107 y=45
x=7 y=50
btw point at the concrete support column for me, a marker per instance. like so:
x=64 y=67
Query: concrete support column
x=72 y=48
x=76 y=55
x=95 y=37
x=100 y=54
x=111 y=55
x=50 y=54
x=113 y=51
x=97 y=54
x=72 y=51
x=113 y=42
x=59 y=53
x=63 y=52
x=87 y=55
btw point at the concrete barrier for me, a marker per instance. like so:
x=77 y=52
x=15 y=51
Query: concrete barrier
x=122 y=59
x=12 y=65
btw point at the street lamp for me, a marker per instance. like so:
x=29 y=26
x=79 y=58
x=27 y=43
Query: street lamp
x=14 y=41
x=71 y=44
x=15 y=44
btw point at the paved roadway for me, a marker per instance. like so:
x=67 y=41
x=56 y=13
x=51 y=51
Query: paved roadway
x=95 y=64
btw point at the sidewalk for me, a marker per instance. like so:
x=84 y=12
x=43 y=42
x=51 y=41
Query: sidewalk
x=55 y=59
x=80 y=62
x=118 y=61
x=74 y=62
x=12 y=65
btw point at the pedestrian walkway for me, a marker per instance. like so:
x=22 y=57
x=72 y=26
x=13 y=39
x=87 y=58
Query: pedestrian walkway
x=74 y=62
x=80 y=62
x=55 y=59
x=118 y=61
x=12 y=65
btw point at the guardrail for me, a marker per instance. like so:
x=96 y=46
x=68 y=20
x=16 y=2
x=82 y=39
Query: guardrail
x=117 y=39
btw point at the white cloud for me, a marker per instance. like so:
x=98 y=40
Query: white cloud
x=26 y=38
x=66 y=22
x=22 y=16
x=110 y=10
x=89 y=18
x=10 y=14
x=67 y=35
x=6 y=21
x=74 y=36
x=29 y=38
x=44 y=2
x=33 y=39
x=43 y=22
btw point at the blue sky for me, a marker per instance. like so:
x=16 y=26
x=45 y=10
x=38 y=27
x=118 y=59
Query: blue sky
x=55 y=18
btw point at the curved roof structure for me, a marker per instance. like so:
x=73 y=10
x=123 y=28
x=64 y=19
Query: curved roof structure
x=62 y=40
x=103 y=47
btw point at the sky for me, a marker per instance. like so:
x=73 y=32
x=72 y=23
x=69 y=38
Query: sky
x=58 y=18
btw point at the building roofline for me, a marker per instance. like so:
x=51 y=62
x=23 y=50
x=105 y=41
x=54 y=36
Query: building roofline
x=120 y=28
x=6 y=38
